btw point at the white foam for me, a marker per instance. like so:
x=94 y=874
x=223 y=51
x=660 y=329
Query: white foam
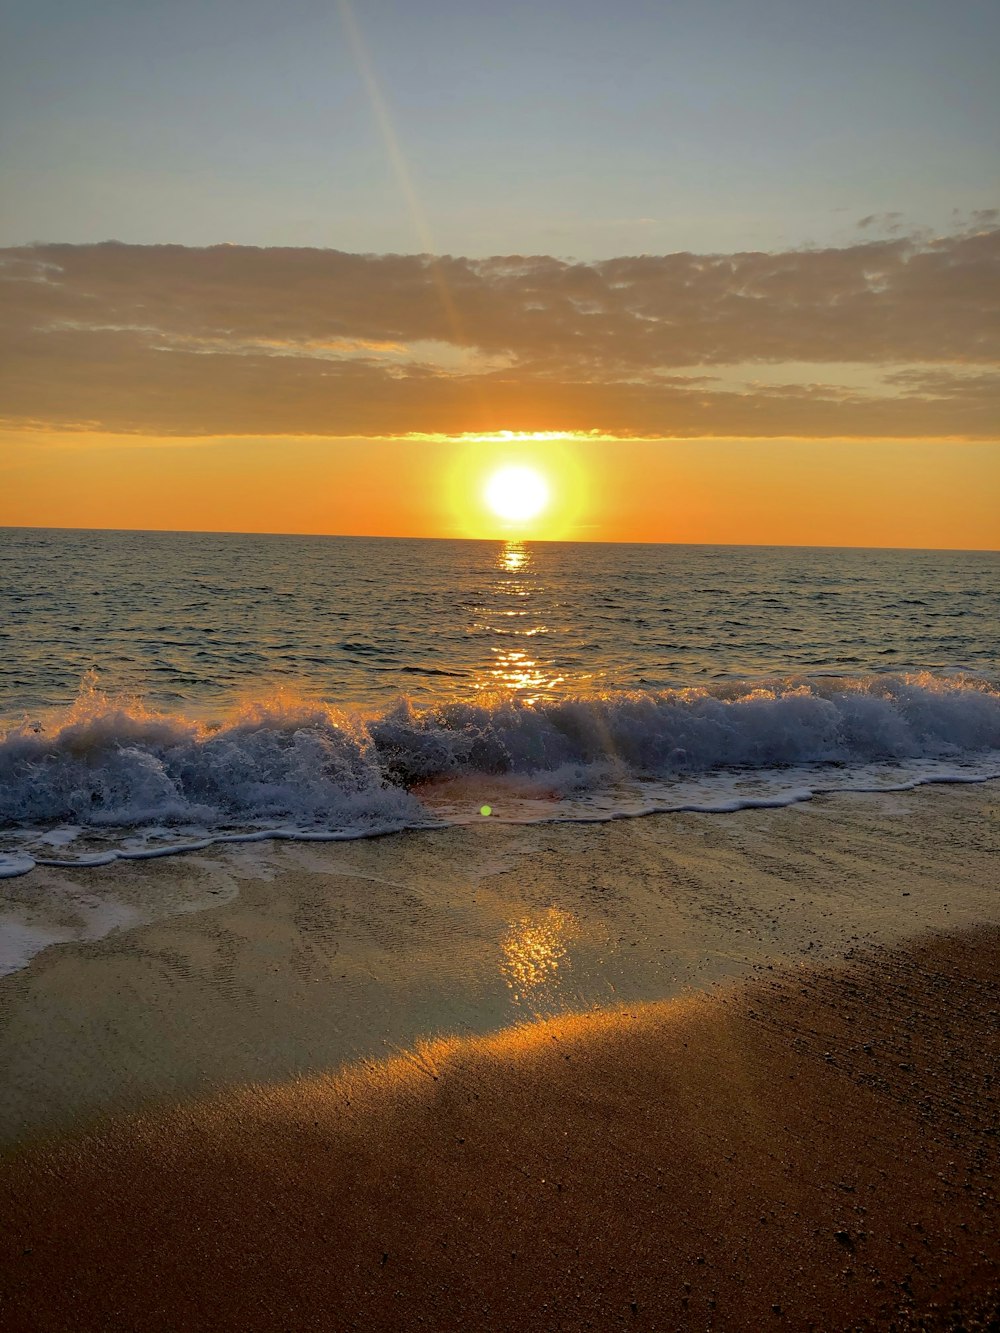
x=110 y=778
x=15 y=863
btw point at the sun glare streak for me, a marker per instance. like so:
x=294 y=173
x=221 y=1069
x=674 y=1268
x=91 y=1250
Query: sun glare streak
x=383 y=119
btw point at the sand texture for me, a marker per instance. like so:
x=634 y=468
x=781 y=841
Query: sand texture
x=815 y=1149
x=272 y=961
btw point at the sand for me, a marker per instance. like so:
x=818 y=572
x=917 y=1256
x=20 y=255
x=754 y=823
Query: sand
x=319 y=955
x=728 y=1073
x=815 y=1151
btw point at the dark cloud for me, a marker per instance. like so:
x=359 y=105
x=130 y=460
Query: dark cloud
x=891 y=222
x=234 y=339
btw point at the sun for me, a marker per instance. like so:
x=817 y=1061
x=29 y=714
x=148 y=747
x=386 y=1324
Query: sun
x=517 y=493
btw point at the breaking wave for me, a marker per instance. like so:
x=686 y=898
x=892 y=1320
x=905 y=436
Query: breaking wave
x=109 y=777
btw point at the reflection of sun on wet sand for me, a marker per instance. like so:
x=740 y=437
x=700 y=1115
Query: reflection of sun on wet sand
x=817 y=1150
x=534 y=950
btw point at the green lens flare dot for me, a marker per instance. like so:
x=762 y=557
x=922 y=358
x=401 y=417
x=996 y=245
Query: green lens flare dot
x=485 y=810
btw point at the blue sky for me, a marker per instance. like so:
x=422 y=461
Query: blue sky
x=580 y=128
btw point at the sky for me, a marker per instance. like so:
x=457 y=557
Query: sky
x=719 y=271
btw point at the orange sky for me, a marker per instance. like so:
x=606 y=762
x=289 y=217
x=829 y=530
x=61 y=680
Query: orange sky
x=794 y=492
x=843 y=396
x=356 y=267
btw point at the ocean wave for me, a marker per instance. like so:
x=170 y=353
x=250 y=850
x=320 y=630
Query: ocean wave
x=286 y=766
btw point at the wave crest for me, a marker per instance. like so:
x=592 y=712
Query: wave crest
x=112 y=762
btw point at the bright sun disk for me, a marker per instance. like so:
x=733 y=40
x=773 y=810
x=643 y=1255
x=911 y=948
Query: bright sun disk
x=517 y=493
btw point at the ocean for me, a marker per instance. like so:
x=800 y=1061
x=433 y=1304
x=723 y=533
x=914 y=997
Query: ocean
x=162 y=692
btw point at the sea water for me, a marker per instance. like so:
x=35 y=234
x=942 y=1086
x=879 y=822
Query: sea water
x=166 y=691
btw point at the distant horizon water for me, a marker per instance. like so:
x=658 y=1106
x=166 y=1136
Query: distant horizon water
x=522 y=537
x=163 y=691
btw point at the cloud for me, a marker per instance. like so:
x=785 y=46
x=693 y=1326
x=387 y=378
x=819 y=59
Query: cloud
x=169 y=339
x=891 y=222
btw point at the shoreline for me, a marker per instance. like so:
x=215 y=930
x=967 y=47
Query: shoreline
x=816 y=1147
x=257 y=965
x=15 y=865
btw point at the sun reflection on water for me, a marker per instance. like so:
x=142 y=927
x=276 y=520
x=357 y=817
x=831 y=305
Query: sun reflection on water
x=517 y=672
x=535 y=954
x=512 y=670
x=513 y=556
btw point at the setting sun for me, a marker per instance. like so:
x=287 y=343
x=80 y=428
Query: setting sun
x=517 y=493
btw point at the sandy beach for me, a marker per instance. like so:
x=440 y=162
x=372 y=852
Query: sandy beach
x=680 y=1072
x=499 y=677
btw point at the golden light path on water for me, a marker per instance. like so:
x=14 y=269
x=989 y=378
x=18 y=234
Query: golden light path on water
x=512 y=668
x=508 y=672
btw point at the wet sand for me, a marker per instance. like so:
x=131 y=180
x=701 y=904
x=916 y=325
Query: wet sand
x=272 y=961
x=813 y=1150
x=682 y=1072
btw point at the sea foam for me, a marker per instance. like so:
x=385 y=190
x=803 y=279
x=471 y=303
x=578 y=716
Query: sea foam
x=129 y=781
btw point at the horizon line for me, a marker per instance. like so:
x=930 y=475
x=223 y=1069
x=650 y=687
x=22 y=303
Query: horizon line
x=518 y=540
